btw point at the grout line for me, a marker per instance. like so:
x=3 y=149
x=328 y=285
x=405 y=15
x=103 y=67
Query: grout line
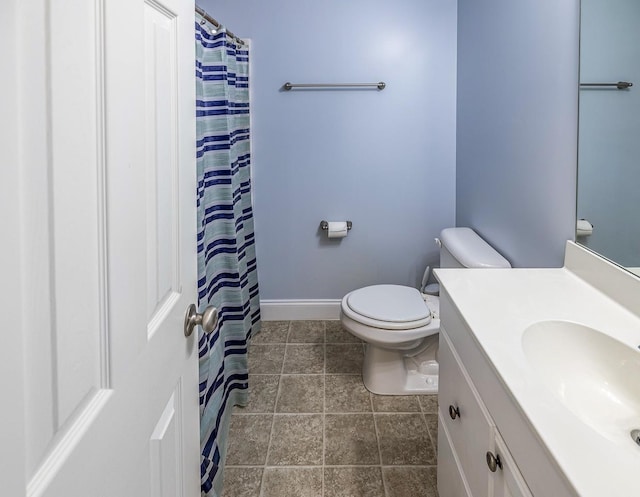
x=307 y=374
x=375 y=425
x=289 y=326
x=356 y=466
x=346 y=413
x=324 y=405
x=273 y=421
x=307 y=343
x=434 y=443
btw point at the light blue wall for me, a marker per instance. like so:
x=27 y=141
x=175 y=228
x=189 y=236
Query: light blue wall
x=384 y=160
x=609 y=171
x=517 y=125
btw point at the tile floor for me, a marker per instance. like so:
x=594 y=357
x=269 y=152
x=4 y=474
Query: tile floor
x=311 y=429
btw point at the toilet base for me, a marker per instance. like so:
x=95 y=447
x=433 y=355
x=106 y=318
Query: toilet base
x=398 y=372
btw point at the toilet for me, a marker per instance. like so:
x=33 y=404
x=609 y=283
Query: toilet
x=400 y=325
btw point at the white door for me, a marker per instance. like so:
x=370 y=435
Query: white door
x=99 y=383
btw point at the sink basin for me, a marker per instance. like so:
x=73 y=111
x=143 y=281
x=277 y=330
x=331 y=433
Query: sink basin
x=594 y=375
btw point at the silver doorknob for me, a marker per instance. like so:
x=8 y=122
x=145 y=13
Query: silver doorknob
x=208 y=319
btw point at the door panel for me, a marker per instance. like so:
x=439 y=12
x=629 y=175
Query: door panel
x=66 y=350
x=161 y=158
x=106 y=257
x=76 y=179
x=12 y=256
x=166 y=440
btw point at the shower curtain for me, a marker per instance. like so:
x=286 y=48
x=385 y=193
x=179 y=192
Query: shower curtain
x=226 y=245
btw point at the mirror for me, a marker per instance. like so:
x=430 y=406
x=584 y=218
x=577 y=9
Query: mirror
x=609 y=137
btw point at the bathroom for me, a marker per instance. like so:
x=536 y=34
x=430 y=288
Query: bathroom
x=476 y=126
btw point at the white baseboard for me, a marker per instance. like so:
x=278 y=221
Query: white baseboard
x=299 y=310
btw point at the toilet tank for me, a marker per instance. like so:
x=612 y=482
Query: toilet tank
x=462 y=247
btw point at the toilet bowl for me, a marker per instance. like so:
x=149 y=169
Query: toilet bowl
x=395 y=322
x=400 y=325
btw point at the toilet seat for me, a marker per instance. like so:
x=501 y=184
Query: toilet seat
x=388 y=307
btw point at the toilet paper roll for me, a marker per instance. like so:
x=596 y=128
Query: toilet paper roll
x=584 y=228
x=337 y=229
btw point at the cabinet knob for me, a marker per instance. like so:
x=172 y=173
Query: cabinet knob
x=454 y=412
x=493 y=462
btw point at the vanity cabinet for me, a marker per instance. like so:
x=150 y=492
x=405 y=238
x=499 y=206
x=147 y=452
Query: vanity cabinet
x=478 y=414
x=473 y=460
x=535 y=379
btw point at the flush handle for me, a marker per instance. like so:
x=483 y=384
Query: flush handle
x=454 y=412
x=208 y=319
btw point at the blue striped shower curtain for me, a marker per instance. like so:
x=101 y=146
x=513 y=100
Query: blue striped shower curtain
x=227 y=275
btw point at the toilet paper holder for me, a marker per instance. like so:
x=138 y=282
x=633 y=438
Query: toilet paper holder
x=324 y=225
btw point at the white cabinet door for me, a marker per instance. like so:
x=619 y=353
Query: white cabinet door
x=451 y=481
x=101 y=385
x=507 y=480
x=470 y=429
x=465 y=438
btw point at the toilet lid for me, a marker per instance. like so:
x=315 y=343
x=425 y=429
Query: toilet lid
x=391 y=303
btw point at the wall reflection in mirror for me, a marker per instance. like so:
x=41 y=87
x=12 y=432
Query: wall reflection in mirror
x=609 y=141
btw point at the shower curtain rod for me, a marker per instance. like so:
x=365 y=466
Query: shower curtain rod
x=206 y=16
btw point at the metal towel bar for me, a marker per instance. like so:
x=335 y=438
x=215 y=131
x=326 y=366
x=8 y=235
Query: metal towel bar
x=620 y=85
x=289 y=86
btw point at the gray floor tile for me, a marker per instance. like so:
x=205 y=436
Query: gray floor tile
x=248 y=439
x=292 y=482
x=263 y=390
x=272 y=332
x=347 y=444
x=395 y=403
x=306 y=332
x=414 y=482
x=429 y=403
x=350 y=439
x=344 y=358
x=242 y=482
x=404 y=440
x=353 y=482
x=337 y=334
x=304 y=359
x=301 y=393
x=296 y=440
x=346 y=393
x=265 y=359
